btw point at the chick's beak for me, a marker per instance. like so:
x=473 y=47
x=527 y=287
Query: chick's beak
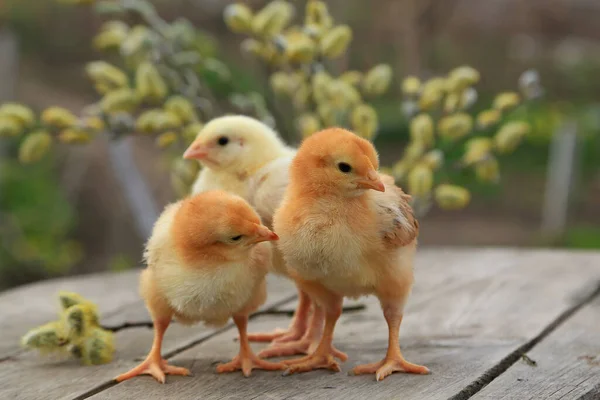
x=264 y=234
x=196 y=151
x=371 y=181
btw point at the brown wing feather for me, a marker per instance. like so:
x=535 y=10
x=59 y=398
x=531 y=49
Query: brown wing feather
x=396 y=217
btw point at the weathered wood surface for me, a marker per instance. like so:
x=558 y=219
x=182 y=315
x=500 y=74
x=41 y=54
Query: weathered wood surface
x=118 y=297
x=471 y=313
x=566 y=365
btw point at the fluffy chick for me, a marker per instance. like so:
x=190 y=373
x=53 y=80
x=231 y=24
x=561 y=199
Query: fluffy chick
x=232 y=149
x=346 y=230
x=207 y=260
x=243 y=156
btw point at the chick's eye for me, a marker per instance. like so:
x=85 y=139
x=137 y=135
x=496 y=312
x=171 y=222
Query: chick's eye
x=236 y=238
x=223 y=140
x=344 y=167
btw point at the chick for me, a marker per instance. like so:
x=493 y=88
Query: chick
x=232 y=149
x=346 y=230
x=244 y=156
x=207 y=261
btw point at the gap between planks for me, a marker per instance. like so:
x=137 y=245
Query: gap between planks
x=516 y=355
x=269 y=311
x=108 y=384
x=466 y=393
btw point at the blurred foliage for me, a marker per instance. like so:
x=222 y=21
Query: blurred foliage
x=121 y=262
x=582 y=237
x=298 y=61
x=165 y=80
x=76 y=333
x=37 y=222
x=159 y=78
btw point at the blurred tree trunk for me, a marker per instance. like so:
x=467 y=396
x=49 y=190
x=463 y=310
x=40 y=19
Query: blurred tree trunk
x=407 y=12
x=9 y=58
x=8 y=65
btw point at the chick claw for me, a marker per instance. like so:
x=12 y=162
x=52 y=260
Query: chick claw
x=247 y=364
x=387 y=366
x=156 y=369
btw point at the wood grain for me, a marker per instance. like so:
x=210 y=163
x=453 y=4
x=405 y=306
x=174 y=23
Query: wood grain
x=469 y=309
x=28 y=306
x=565 y=366
x=44 y=378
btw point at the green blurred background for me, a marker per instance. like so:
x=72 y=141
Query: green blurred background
x=68 y=215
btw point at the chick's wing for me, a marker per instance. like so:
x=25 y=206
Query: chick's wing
x=395 y=217
x=267 y=187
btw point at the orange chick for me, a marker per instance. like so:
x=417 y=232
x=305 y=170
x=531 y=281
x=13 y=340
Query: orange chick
x=346 y=230
x=207 y=261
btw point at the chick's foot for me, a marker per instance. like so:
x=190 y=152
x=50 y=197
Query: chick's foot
x=296 y=330
x=302 y=346
x=248 y=362
x=266 y=336
x=312 y=362
x=286 y=349
x=158 y=370
x=387 y=366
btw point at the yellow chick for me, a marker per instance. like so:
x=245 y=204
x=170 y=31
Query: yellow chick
x=347 y=230
x=231 y=149
x=244 y=156
x=207 y=260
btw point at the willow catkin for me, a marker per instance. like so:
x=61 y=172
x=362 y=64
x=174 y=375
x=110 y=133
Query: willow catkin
x=58 y=117
x=20 y=113
x=364 y=121
x=420 y=180
x=46 y=338
x=149 y=84
x=510 y=135
x=335 y=42
x=461 y=78
x=353 y=78
x=35 y=146
x=74 y=136
x=112 y=35
x=238 y=18
x=455 y=126
x=452 y=197
x=105 y=73
x=307 y=124
x=506 y=101
x=477 y=149
x=411 y=86
x=421 y=129
x=377 y=80
x=488 y=118
x=9 y=127
x=119 y=100
x=488 y=170
x=183 y=108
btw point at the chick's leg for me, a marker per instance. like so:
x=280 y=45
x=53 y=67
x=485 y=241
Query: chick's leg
x=296 y=329
x=323 y=356
x=154 y=364
x=246 y=360
x=306 y=344
x=393 y=361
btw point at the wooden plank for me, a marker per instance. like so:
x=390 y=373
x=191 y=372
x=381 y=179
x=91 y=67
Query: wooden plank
x=280 y=290
x=31 y=305
x=59 y=379
x=567 y=364
x=470 y=308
